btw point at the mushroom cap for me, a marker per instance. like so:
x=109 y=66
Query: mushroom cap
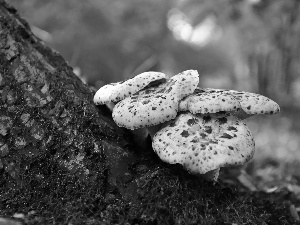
x=115 y=92
x=155 y=105
x=202 y=143
x=209 y=100
x=253 y=103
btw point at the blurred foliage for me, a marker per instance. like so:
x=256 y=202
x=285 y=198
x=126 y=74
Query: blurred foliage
x=106 y=39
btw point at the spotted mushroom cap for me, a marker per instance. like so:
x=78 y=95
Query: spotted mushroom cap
x=203 y=143
x=155 y=105
x=115 y=92
x=209 y=101
x=253 y=103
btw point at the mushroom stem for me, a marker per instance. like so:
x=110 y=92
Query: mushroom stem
x=212 y=175
x=110 y=105
x=153 y=129
x=140 y=137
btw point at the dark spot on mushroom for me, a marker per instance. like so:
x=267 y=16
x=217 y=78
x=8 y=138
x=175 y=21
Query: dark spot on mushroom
x=232 y=129
x=208 y=130
x=169 y=90
x=191 y=122
x=249 y=107
x=206 y=119
x=185 y=133
x=230 y=147
x=222 y=120
x=197 y=90
x=154 y=108
x=227 y=136
x=195 y=140
x=203 y=135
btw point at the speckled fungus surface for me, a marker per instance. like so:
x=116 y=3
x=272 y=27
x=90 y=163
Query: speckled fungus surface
x=115 y=92
x=209 y=101
x=202 y=143
x=155 y=105
x=253 y=104
x=200 y=128
x=242 y=104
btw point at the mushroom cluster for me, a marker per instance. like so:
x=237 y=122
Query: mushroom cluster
x=200 y=128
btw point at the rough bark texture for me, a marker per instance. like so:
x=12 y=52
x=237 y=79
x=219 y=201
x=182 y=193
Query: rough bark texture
x=63 y=160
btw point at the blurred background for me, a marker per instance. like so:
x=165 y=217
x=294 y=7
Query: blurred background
x=250 y=45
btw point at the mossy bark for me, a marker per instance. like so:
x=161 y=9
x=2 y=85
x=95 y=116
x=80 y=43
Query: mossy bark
x=49 y=125
x=63 y=160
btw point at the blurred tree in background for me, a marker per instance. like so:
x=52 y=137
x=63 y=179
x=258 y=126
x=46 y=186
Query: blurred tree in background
x=243 y=44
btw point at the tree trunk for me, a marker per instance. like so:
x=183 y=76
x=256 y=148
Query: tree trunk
x=51 y=133
x=64 y=161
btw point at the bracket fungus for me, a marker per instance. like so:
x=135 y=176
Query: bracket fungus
x=200 y=128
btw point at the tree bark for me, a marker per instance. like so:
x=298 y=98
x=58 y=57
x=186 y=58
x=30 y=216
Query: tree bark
x=49 y=126
x=63 y=160
x=45 y=110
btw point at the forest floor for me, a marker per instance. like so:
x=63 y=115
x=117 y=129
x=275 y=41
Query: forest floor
x=267 y=190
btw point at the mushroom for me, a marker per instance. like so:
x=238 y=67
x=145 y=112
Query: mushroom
x=115 y=92
x=252 y=104
x=204 y=143
x=242 y=104
x=200 y=128
x=209 y=101
x=155 y=105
